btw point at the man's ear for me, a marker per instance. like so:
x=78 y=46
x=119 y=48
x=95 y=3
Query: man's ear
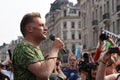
x=29 y=28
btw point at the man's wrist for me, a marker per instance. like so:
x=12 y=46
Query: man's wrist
x=51 y=58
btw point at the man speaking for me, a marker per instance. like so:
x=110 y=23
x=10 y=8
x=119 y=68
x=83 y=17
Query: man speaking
x=28 y=61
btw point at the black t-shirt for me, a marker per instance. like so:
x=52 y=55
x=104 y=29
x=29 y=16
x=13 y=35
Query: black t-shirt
x=4 y=77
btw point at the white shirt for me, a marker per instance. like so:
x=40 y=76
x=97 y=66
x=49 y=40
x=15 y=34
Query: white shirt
x=8 y=73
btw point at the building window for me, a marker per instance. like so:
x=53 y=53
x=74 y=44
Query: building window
x=79 y=24
x=84 y=22
x=113 y=27
x=73 y=48
x=65 y=13
x=118 y=2
x=118 y=26
x=92 y=2
x=65 y=59
x=85 y=42
x=64 y=25
x=73 y=35
x=96 y=14
x=107 y=6
x=65 y=35
x=93 y=16
x=113 y=5
x=79 y=13
x=72 y=24
x=100 y=13
x=72 y=11
x=79 y=35
x=94 y=39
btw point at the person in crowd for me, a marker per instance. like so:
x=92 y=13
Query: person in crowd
x=118 y=66
x=111 y=66
x=87 y=67
x=94 y=72
x=71 y=72
x=57 y=72
x=105 y=42
x=101 y=73
x=93 y=67
x=3 y=76
x=8 y=70
x=104 y=45
x=28 y=60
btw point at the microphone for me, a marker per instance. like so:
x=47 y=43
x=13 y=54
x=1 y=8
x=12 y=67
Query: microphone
x=52 y=37
x=10 y=55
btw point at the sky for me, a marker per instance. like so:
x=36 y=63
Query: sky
x=12 y=12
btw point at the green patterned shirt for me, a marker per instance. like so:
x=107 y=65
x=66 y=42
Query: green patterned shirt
x=24 y=55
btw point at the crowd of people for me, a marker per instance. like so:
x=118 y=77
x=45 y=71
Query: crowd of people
x=28 y=62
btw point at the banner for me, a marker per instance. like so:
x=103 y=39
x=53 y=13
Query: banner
x=78 y=51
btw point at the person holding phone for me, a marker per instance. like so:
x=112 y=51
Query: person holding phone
x=101 y=73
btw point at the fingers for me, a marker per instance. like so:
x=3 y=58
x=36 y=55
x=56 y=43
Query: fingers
x=58 y=43
x=107 y=56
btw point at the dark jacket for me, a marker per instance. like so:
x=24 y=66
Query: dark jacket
x=4 y=77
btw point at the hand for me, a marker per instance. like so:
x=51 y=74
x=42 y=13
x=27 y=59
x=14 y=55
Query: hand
x=9 y=61
x=107 y=56
x=58 y=44
x=111 y=40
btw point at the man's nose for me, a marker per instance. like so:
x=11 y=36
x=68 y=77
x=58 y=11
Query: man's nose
x=46 y=28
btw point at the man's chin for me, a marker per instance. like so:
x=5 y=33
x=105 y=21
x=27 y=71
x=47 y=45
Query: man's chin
x=45 y=37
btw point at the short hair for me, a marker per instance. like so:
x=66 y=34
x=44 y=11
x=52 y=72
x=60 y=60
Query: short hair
x=28 y=18
x=72 y=55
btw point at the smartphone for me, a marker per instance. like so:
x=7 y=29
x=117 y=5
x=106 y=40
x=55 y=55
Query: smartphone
x=114 y=50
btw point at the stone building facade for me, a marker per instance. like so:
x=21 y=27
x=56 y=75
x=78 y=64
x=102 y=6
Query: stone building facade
x=97 y=14
x=4 y=54
x=63 y=20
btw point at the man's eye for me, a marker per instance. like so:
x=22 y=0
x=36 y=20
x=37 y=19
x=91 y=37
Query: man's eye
x=41 y=24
